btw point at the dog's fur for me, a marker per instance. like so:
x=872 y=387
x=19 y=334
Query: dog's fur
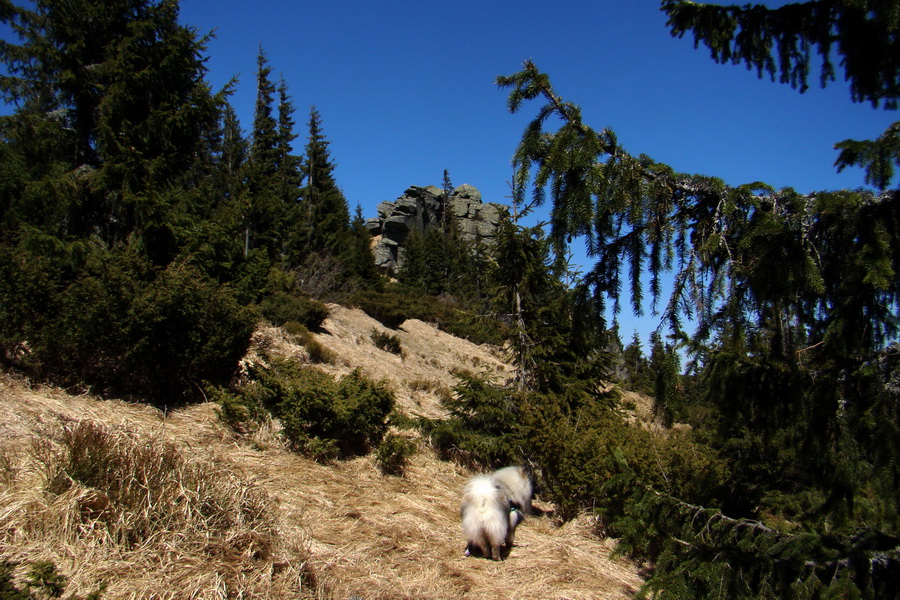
x=488 y=520
x=520 y=486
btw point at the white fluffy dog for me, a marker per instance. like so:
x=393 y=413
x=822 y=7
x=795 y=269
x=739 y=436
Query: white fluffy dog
x=488 y=521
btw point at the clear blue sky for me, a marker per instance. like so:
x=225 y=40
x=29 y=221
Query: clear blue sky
x=406 y=89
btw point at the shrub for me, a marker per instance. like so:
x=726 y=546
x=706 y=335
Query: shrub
x=394 y=453
x=323 y=417
x=185 y=329
x=387 y=342
x=122 y=326
x=282 y=307
x=240 y=412
x=397 y=303
x=586 y=452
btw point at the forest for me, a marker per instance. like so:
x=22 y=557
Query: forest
x=144 y=235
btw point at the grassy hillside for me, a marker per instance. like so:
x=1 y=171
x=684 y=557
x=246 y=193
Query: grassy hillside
x=211 y=514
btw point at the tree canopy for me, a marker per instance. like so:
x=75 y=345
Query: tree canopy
x=795 y=301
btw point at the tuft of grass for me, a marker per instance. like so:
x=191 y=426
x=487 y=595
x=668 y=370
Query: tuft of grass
x=317 y=352
x=139 y=488
x=8 y=467
x=387 y=342
x=108 y=510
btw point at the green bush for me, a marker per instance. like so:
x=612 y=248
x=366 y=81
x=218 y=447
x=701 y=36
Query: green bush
x=185 y=329
x=397 y=303
x=586 y=452
x=322 y=417
x=241 y=412
x=394 y=453
x=282 y=307
x=121 y=326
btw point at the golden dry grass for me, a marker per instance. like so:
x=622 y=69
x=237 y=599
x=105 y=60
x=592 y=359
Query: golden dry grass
x=329 y=531
x=218 y=534
x=423 y=372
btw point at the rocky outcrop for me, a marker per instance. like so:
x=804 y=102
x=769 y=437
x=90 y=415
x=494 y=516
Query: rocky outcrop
x=421 y=208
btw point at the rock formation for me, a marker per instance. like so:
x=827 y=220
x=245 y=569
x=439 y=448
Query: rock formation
x=421 y=208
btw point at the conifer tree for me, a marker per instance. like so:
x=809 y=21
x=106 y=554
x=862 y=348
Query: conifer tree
x=323 y=203
x=636 y=365
x=120 y=87
x=219 y=246
x=414 y=261
x=359 y=260
x=288 y=164
x=664 y=366
x=265 y=209
x=111 y=151
x=794 y=295
x=233 y=157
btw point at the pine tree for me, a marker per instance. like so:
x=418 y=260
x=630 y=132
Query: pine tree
x=327 y=215
x=265 y=210
x=794 y=297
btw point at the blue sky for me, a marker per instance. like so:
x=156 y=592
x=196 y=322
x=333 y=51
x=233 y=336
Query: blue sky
x=406 y=89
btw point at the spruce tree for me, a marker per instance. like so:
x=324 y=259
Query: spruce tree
x=111 y=151
x=265 y=209
x=219 y=244
x=119 y=86
x=414 y=261
x=664 y=367
x=326 y=212
x=636 y=365
x=795 y=297
x=233 y=156
x=779 y=42
x=288 y=181
x=288 y=163
x=359 y=260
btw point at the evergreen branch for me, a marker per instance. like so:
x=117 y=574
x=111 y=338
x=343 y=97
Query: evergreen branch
x=779 y=41
x=878 y=157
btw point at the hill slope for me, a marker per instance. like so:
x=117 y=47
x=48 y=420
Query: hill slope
x=338 y=531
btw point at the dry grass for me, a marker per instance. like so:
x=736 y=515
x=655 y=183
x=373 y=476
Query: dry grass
x=374 y=537
x=320 y=531
x=114 y=497
x=425 y=371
